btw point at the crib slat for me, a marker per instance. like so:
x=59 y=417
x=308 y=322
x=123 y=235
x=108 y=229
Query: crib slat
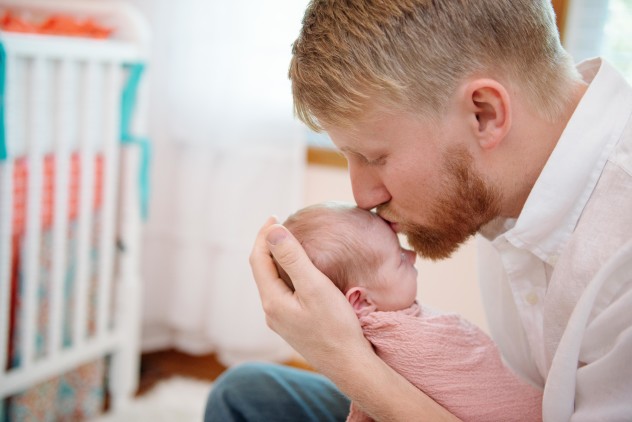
x=125 y=364
x=6 y=216
x=36 y=141
x=65 y=132
x=16 y=96
x=12 y=92
x=88 y=130
x=111 y=135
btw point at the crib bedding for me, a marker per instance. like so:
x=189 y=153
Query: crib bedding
x=80 y=393
x=75 y=396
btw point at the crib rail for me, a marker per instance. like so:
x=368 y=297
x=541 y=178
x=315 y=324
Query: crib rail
x=67 y=189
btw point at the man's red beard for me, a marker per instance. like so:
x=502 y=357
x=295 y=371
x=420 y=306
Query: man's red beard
x=468 y=204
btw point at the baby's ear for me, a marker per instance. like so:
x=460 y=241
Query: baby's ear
x=360 y=301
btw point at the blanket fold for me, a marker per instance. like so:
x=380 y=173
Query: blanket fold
x=452 y=361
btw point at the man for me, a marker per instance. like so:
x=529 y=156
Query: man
x=456 y=118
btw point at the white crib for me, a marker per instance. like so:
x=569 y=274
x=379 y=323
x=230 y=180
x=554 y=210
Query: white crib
x=66 y=118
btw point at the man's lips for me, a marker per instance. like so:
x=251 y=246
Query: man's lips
x=394 y=226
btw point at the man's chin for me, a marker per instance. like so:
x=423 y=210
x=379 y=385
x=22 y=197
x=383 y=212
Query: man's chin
x=434 y=246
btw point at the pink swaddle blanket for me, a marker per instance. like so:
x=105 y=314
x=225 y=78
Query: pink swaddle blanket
x=453 y=362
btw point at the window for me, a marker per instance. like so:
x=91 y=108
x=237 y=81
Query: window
x=601 y=28
x=617 y=45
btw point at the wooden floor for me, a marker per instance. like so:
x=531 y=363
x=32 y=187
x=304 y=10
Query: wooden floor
x=158 y=366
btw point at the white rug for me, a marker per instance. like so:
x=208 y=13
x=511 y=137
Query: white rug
x=176 y=399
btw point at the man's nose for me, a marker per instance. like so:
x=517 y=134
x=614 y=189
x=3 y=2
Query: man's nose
x=368 y=189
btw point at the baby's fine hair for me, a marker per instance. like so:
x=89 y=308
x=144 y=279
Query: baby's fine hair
x=332 y=234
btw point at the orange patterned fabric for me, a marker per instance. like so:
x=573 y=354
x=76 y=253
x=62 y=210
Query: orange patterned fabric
x=20 y=188
x=55 y=25
x=79 y=394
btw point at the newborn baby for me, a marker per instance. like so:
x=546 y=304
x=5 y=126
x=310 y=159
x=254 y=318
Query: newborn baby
x=448 y=358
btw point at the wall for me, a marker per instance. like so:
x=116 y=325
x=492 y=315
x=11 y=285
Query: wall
x=449 y=285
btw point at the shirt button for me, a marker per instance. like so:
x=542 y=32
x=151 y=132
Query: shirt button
x=532 y=298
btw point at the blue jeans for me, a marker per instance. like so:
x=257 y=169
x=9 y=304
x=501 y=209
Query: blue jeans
x=274 y=393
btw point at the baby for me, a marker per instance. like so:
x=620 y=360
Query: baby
x=445 y=356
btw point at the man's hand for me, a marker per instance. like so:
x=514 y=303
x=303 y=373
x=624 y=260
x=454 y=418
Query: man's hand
x=315 y=319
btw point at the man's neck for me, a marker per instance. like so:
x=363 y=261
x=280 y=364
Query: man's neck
x=536 y=140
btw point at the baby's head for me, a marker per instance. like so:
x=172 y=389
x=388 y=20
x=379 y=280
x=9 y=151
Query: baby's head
x=359 y=252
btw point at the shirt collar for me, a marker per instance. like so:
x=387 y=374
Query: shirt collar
x=559 y=196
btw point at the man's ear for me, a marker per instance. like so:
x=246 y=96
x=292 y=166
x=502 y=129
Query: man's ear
x=360 y=301
x=487 y=102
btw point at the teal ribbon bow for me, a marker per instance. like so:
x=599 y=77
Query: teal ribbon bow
x=128 y=103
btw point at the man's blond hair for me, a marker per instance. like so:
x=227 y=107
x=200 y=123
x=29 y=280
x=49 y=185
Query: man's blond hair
x=410 y=55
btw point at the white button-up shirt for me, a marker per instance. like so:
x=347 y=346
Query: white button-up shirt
x=557 y=282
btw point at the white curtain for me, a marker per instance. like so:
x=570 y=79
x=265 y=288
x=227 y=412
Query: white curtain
x=227 y=154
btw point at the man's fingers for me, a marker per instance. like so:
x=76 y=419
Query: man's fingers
x=290 y=255
x=263 y=269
